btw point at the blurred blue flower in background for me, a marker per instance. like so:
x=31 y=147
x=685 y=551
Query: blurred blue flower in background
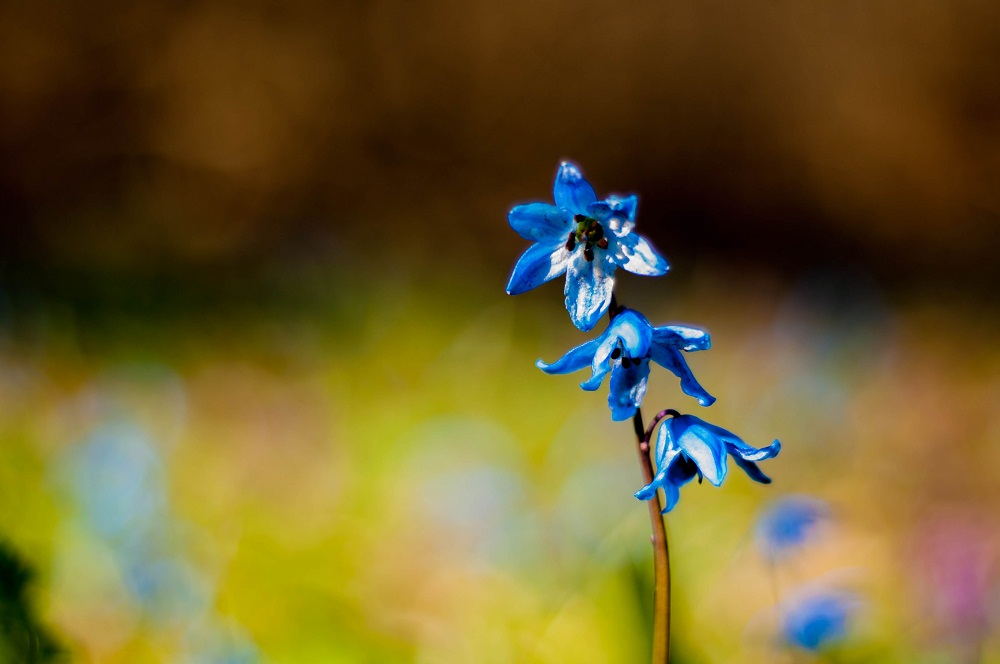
x=585 y=238
x=786 y=523
x=625 y=350
x=117 y=479
x=814 y=621
x=687 y=446
x=116 y=476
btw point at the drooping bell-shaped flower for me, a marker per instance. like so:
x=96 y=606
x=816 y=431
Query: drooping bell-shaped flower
x=624 y=351
x=585 y=238
x=689 y=447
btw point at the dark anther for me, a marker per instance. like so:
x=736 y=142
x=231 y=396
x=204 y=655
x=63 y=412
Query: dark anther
x=616 y=353
x=579 y=218
x=625 y=362
x=588 y=253
x=571 y=242
x=603 y=243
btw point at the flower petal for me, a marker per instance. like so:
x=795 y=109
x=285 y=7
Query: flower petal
x=671 y=358
x=540 y=263
x=635 y=254
x=589 y=285
x=574 y=360
x=613 y=206
x=601 y=210
x=676 y=471
x=666 y=448
x=681 y=471
x=682 y=337
x=647 y=492
x=738 y=448
x=627 y=388
x=597 y=377
x=602 y=362
x=671 y=494
x=752 y=470
x=633 y=330
x=571 y=191
x=540 y=222
x=736 y=445
x=704 y=448
x=627 y=205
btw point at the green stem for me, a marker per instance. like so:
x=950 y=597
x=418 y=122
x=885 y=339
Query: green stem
x=661 y=556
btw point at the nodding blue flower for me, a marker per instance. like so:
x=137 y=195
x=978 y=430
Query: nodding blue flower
x=625 y=350
x=787 y=523
x=687 y=446
x=585 y=238
x=816 y=620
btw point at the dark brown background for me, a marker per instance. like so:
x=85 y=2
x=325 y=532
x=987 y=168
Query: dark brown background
x=186 y=138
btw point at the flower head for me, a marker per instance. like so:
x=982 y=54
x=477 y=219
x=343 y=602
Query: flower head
x=687 y=446
x=625 y=350
x=787 y=523
x=814 y=621
x=585 y=238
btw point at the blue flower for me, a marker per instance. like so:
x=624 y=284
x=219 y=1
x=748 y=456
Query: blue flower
x=687 y=446
x=813 y=621
x=786 y=524
x=585 y=238
x=625 y=350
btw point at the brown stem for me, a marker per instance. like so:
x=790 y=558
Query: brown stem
x=656 y=420
x=661 y=556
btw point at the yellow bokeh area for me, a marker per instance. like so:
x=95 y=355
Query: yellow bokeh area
x=393 y=480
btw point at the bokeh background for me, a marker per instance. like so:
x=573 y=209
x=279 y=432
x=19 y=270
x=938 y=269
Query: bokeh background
x=263 y=398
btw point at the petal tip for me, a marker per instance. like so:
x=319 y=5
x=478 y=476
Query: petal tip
x=622 y=414
x=568 y=167
x=645 y=493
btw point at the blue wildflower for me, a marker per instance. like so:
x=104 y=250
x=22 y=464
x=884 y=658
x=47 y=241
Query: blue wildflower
x=787 y=522
x=625 y=350
x=816 y=620
x=687 y=446
x=585 y=238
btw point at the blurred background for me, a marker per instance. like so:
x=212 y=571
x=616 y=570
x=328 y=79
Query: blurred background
x=263 y=398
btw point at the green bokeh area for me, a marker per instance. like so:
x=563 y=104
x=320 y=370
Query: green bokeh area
x=377 y=472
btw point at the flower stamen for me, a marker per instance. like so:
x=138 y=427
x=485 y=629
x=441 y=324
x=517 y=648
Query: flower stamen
x=590 y=233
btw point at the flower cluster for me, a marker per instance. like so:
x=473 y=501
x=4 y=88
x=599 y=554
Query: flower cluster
x=587 y=239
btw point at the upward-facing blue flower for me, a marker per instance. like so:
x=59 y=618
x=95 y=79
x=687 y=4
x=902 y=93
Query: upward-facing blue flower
x=585 y=238
x=687 y=446
x=625 y=350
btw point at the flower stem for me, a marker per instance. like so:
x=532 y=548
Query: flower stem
x=661 y=556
